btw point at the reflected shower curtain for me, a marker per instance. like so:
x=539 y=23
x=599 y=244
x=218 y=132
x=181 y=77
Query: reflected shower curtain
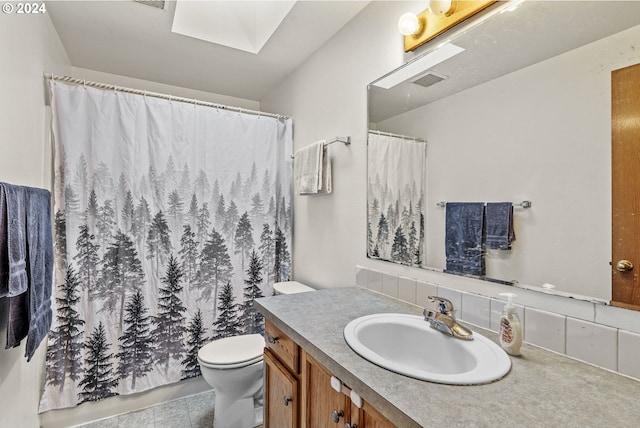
x=395 y=190
x=170 y=219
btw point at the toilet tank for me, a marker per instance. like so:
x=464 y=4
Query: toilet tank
x=291 y=287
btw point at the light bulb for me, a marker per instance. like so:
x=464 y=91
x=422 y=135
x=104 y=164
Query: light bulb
x=408 y=24
x=439 y=7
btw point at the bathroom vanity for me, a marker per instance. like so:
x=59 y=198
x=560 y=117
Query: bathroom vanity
x=298 y=390
x=306 y=347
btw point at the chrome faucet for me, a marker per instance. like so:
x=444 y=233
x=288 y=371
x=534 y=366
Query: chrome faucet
x=443 y=319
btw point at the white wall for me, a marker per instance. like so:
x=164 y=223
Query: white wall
x=29 y=46
x=161 y=88
x=327 y=97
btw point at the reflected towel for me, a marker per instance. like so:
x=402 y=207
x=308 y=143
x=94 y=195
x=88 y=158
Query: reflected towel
x=30 y=313
x=13 y=264
x=312 y=169
x=463 y=238
x=500 y=233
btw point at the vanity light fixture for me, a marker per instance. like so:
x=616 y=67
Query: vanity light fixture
x=439 y=16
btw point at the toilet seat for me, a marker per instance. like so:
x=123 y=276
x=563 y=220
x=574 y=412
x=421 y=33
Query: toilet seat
x=232 y=352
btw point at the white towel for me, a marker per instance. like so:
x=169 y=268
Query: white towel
x=312 y=169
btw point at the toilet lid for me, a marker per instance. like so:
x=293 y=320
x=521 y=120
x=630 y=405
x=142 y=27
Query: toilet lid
x=232 y=350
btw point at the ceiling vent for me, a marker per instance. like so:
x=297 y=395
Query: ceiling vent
x=153 y=3
x=430 y=78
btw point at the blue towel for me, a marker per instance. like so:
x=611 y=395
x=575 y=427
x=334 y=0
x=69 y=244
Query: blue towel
x=500 y=233
x=464 y=230
x=13 y=264
x=4 y=250
x=30 y=313
x=40 y=243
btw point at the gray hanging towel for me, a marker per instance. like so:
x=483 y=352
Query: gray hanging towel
x=463 y=238
x=13 y=243
x=500 y=233
x=30 y=313
x=4 y=245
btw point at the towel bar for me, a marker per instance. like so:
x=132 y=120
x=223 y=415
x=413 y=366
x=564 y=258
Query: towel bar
x=523 y=204
x=344 y=140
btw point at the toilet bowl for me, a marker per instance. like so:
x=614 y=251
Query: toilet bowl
x=233 y=367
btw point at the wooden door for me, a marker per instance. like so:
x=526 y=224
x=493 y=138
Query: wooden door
x=625 y=181
x=281 y=401
x=319 y=399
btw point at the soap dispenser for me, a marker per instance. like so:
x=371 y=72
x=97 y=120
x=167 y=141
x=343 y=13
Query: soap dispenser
x=510 y=327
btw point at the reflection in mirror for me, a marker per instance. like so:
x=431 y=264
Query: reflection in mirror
x=395 y=188
x=521 y=112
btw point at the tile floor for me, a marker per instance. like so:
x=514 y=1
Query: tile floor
x=195 y=411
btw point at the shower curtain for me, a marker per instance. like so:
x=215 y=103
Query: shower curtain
x=170 y=219
x=396 y=170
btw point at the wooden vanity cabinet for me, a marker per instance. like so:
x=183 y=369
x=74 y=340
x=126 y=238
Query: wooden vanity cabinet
x=323 y=407
x=281 y=379
x=368 y=417
x=298 y=391
x=281 y=408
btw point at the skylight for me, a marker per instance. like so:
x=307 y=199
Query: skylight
x=244 y=25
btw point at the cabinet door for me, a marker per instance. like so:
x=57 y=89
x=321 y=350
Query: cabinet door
x=281 y=401
x=368 y=417
x=322 y=405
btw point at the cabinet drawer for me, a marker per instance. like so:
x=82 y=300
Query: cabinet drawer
x=285 y=349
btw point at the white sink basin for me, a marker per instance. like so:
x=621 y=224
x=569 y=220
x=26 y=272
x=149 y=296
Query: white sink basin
x=406 y=344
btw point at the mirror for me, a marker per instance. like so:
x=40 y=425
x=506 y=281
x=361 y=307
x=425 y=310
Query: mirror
x=521 y=113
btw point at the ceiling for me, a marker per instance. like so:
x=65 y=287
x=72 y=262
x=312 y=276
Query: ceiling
x=136 y=40
x=507 y=42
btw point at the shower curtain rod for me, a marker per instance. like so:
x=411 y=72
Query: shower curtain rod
x=163 y=96
x=404 y=137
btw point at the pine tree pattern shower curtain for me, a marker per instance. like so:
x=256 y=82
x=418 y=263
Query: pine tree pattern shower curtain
x=170 y=219
x=396 y=174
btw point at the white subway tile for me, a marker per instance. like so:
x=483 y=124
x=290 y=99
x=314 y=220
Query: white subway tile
x=454 y=295
x=476 y=310
x=390 y=285
x=593 y=343
x=362 y=276
x=628 y=351
x=423 y=291
x=545 y=329
x=624 y=319
x=407 y=289
x=375 y=281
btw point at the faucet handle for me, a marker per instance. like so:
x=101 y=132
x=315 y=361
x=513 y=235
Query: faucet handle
x=445 y=306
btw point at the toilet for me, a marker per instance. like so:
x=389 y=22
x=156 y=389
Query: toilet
x=233 y=366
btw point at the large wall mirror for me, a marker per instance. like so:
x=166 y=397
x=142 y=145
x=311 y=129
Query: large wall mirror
x=519 y=111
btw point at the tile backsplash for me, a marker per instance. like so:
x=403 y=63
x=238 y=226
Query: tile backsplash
x=594 y=342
